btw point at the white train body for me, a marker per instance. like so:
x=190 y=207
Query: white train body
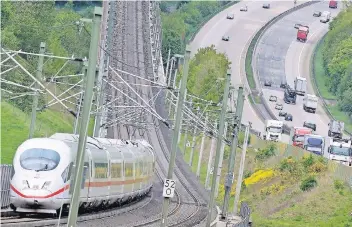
x=114 y=171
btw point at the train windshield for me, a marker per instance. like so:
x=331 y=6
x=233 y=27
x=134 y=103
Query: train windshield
x=344 y=151
x=39 y=159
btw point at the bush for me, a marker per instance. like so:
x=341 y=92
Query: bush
x=338 y=184
x=308 y=160
x=308 y=183
x=317 y=167
x=266 y=153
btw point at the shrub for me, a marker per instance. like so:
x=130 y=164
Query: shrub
x=259 y=175
x=308 y=183
x=339 y=184
x=266 y=153
x=317 y=167
x=288 y=164
x=308 y=160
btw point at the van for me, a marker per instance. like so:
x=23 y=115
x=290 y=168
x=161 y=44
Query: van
x=325 y=17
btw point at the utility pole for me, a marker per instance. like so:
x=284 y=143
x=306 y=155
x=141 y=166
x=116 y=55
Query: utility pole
x=193 y=143
x=100 y=82
x=36 y=95
x=174 y=87
x=240 y=173
x=88 y=96
x=167 y=63
x=232 y=159
x=220 y=162
x=76 y=124
x=166 y=201
x=218 y=147
x=210 y=161
x=202 y=147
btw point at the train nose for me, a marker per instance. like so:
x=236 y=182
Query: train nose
x=36 y=203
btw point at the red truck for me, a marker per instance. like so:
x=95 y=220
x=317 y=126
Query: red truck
x=333 y=4
x=298 y=135
x=302 y=33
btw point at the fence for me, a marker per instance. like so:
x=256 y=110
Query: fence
x=6 y=173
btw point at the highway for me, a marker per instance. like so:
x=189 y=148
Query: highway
x=241 y=30
x=279 y=57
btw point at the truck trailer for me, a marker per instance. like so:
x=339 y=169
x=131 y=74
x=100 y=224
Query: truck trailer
x=300 y=85
x=310 y=103
x=302 y=33
x=336 y=128
x=333 y=4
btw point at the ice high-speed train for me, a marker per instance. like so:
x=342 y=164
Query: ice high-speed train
x=114 y=171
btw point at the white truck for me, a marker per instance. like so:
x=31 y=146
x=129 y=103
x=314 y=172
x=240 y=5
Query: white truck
x=340 y=150
x=314 y=143
x=325 y=17
x=310 y=103
x=273 y=130
x=300 y=85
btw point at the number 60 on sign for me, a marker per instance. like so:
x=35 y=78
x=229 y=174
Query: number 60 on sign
x=169 y=188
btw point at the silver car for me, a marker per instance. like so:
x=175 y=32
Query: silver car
x=279 y=106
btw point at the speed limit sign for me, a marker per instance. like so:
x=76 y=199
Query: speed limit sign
x=169 y=188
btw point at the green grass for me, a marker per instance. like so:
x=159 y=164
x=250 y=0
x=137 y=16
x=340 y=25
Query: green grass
x=15 y=127
x=320 y=80
x=248 y=64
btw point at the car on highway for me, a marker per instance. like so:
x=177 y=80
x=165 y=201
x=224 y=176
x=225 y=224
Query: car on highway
x=288 y=117
x=279 y=106
x=317 y=14
x=272 y=98
x=230 y=16
x=266 y=6
x=244 y=8
x=226 y=38
x=310 y=125
x=282 y=114
x=297 y=26
x=267 y=83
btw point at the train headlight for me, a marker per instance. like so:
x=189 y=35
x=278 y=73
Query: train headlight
x=46 y=184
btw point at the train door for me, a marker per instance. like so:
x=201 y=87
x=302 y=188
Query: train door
x=108 y=174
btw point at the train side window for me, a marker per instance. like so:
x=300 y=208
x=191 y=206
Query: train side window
x=101 y=170
x=115 y=170
x=128 y=169
x=66 y=174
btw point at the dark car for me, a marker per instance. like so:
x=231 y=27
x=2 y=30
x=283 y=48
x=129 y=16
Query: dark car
x=310 y=125
x=298 y=25
x=283 y=85
x=317 y=14
x=230 y=16
x=282 y=114
x=226 y=38
x=288 y=117
x=266 y=6
x=267 y=83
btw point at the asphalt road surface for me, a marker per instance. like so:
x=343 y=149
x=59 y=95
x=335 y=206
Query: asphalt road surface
x=280 y=58
x=240 y=30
